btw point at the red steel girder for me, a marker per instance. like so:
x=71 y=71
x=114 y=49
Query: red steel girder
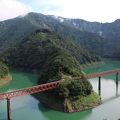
x=44 y=87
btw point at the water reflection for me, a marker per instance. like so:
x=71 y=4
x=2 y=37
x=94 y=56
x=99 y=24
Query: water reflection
x=116 y=90
x=27 y=107
x=99 y=92
x=20 y=80
x=55 y=115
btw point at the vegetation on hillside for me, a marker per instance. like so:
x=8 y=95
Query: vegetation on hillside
x=55 y=57
x=37 y=50
x=5 y=77
x=10 y=34
x=70 y=95
x=109 y=32
x=13 y=31
x=116 y=55
x=4 y=71
x=74 y=88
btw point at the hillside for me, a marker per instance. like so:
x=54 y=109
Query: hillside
x=116 y=55
x=3 y=70
x=39 y=48
x=15 y=30
x=109 y=31
x=55 y=57
x=4 y=74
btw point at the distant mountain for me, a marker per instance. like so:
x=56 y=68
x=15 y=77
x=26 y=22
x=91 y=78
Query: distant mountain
x=109 y=31
x=43 y=48
x=100 y=38
x=14 y=30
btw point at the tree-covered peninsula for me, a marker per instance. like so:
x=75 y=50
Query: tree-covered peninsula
x=70 y=95
x=56 y=57
x=4 y=74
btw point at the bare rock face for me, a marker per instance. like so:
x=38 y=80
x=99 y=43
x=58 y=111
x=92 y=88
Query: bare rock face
x=70 y=106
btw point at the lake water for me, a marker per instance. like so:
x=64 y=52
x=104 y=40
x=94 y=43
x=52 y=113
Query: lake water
x=29 y=108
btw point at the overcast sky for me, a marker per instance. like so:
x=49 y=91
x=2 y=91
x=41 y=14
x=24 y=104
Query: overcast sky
x=90 y=10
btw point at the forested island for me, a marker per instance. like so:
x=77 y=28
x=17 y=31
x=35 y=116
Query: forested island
x=5 y=77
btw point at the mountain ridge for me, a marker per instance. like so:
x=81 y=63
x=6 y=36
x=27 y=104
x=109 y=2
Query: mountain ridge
x=14 y=30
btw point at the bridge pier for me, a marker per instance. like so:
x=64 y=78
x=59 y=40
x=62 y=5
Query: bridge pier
x=117 y=79
x=99 y=86
x=8 y=110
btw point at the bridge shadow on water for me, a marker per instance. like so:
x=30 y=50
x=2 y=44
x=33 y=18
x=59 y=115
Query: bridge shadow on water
x=110 y=99
x=117 y=95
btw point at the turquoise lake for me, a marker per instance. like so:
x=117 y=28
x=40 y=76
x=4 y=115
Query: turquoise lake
x=29 y=108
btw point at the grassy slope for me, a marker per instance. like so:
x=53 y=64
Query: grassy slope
x=85 y=102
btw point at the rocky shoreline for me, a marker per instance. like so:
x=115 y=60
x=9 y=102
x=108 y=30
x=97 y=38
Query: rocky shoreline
x=67 y=105
x=84 y=108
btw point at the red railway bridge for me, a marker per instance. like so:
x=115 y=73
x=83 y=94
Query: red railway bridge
x=39 y=88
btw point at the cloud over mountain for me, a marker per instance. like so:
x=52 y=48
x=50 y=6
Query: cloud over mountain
x=12 y=8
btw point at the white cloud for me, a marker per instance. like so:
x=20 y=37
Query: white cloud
x=12 y=8
x=92 y=10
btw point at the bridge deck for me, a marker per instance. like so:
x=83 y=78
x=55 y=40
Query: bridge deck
x=43 y=87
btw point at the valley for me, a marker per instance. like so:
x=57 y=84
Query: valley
x=53 y=48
